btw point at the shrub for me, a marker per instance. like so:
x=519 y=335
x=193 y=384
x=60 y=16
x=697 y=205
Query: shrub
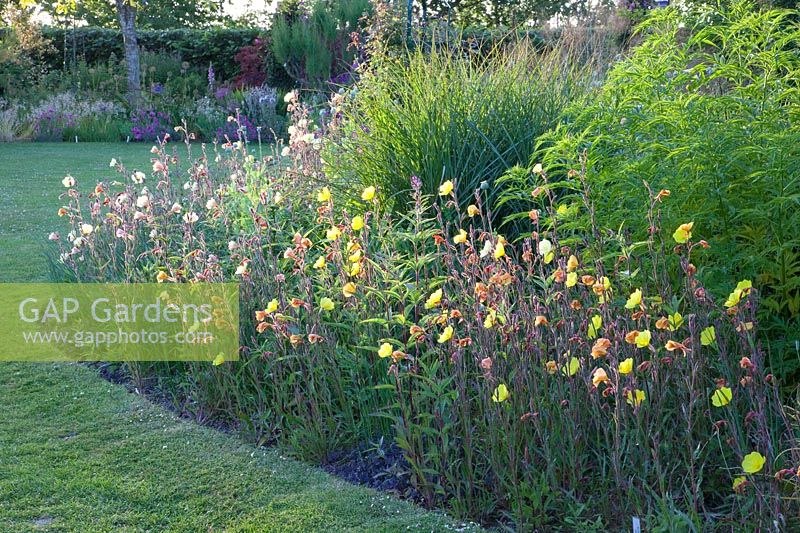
x=442 y=116
x=708 y=107
x=60 y=113
x=526 y=382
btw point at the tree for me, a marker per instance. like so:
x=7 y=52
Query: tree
x=126 y=10
x=151 y=14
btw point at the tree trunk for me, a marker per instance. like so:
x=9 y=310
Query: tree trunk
x=127 y=23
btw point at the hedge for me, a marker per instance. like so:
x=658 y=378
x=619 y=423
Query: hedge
x=215 y=46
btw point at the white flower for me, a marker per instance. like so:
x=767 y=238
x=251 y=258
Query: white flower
x=286 y=151
x=153 y=234
x=143 y=201
x=113 y=163
x=87 y=229
x=176 y=208
x=54 y=236
x=211 y=204
x=232 y=245
x=78 y=242
x=191 y=217
x=545 y=247
x=138 y=215
x=122 y=199
x=289 y=97
x=487 y=248
x=68 y=181
x=138 y=177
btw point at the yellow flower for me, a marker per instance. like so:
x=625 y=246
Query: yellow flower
x=753 y=462
x=162 y=276
x=634 y=300
x=499 y=250
x=708 y=336
x=355 y=257
x=500 y=393
x=472 y=210
x=385 y=350
x=358 y=223
x=572 y=279
x=355 y=270
x=333 y=233
x=434 y=299
x=626 y=366
x=721 y=397
x=639 y=397
x=675 y=321
x=320 y=262
x=741 y=290
x=683 y=233
x=349 y=289
x=327 y=304
x=272 y=306
x=446 y=188
x=737 y=482
x=368 y=194
x=489 y=321
x=594 y=326
x=219 y=359
x=572 y=264
x=324 y=194
x=446 y=335
x=551 y=367
x=461 y=238
x=643 y=339
x=572 y=368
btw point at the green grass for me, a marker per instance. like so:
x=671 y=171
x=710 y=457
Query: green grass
x=80 y=453
x=30 y=184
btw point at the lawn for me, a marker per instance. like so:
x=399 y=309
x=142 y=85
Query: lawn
x=80 y=453
x=31 y=175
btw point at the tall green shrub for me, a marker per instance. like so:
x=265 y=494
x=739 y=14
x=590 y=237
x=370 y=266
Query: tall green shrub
x=707 y=107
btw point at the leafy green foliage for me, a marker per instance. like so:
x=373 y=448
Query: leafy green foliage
x=708 y=107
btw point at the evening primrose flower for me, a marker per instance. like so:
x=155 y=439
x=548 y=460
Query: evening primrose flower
x=545 y=247
x=138 y=177
x=572 y=264
x=472 y=210
x=446 y=335
x=357 y=223
x=634 y=300
x=333 y=233
x=87 y=229
x=626 y=366
x=272 y=306
x=635 y=398
x=599 y=376
x=461 y=238
x=741 y=290
x=572 y=279
x=490 y=319
x=326 y=304
x=368 y=194
x=162 y=276
x=500 y=393
x=319 y=263
x=572 y=367
x=191 y=217
x=385 y=350
x=594 y=326
x=499 y=250
x=68 y=182
x=434 y=299
x=487 y=248
x=643 y=339
x=738 y=482
x=446 y=188
x=721 y=397
x=675 y=321
x=218 y=360
x=708 y=336
x=683 y=233
x=753 y=462
x=349 y=289
x=324 y=194
x=355 y=270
